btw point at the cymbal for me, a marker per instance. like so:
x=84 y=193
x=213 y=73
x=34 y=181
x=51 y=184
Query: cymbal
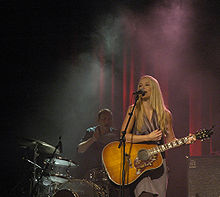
x=59 y=161
x=42 y=147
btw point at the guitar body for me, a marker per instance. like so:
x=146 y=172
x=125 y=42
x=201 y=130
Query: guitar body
x=112 y=158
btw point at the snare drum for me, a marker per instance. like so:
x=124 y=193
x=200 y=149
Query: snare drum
x=79 y=188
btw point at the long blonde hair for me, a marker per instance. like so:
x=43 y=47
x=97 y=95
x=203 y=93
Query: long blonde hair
x=157 y=103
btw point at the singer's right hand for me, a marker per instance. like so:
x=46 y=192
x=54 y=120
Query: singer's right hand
x=155 y=135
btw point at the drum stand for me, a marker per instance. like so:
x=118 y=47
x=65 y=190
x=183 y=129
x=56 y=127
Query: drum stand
x=36 y=180
x=35 y=166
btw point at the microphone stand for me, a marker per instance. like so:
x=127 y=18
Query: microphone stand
x=122 y=142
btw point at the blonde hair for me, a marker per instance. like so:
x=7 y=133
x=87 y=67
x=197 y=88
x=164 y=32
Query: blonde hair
x=157 y=103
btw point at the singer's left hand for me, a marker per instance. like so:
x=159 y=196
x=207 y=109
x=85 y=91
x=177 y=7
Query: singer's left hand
x=191 y=139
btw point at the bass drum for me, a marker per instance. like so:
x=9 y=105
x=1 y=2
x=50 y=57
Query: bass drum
x=79 y=188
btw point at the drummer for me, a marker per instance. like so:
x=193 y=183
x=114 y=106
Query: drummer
x=94 y=140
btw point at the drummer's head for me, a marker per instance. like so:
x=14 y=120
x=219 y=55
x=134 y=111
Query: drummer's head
x=105 y=117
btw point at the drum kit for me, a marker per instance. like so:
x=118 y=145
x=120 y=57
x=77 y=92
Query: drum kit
x=53 y=178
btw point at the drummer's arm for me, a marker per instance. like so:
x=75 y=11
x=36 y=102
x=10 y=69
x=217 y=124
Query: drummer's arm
x=83 y=146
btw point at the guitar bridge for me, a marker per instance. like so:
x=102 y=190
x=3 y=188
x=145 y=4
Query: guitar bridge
x=141 y=165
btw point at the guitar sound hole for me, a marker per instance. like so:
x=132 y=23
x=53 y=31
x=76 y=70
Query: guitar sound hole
x=143 y=155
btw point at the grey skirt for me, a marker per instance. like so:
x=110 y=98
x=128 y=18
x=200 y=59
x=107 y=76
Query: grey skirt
x=155 y=186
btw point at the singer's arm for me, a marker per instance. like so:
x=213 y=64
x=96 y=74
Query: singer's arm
x=129 y=136
x=153 y=136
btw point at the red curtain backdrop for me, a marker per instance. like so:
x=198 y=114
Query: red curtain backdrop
x=195 y=114
x=125 y=71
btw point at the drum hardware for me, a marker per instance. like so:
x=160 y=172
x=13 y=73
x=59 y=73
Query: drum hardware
x=53 y=178
x=33 y=177
x=59 y=169
x=31 y=162
x=45 y=169
x=34 y=169
x=79 y=188
x=43 y=147
x=99 y=177
x=40 y=178
x=65 y=193
x=46 y=187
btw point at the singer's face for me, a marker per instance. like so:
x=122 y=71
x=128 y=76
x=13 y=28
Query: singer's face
x=144 y=84
x=105 y=119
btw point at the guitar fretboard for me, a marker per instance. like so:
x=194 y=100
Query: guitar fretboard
x=167 y=146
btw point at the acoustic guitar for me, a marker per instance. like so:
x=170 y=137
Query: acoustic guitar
x=140 y=157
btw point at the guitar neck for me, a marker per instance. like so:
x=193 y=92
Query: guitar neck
x=167 y=146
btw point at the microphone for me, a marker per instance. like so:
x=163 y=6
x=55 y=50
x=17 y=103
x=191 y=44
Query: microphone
x=139 y=92
x=60 y=145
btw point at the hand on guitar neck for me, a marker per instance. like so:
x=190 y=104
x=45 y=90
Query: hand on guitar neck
x=191 y=139
x=142 y=157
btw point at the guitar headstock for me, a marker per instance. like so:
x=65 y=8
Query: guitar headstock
x=204 y=134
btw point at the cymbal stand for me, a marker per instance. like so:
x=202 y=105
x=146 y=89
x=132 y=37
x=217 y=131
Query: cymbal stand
x=43 y=171
x=33 y=181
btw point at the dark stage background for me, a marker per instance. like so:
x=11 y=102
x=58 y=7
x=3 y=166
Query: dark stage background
x=64 y=60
